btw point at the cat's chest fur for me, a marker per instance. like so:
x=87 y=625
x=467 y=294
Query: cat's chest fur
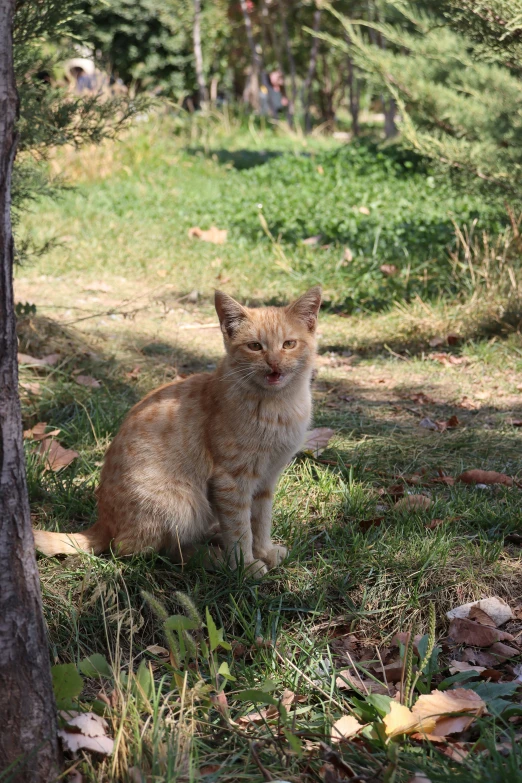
x=269 y=429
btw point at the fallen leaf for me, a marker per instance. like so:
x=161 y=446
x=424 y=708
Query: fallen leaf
x=220 y=702
x=438 y=704
x=311 y=241
x=87 y=380
x=436 y=523
x=453 y=339
x=209 y=769
x=134 y=373
x=85 y=731
x=259 y=716
x=422 y=399
x=54 y=455
x=485 y=477
x=45 y=361
x=496 y=608
x=364 y=210
x=491 y=674
x=317 y=440
x=33 y=387
x=477 y=614
x=503 y=652
x=366 y=524
x=516 y=422
x=413 y=503
x=450 y=424
x=155 y=649
x=479 y=657
x=447 y=359
x=448 y=480
x=435 y=342
x=456 y=751
x=464 y=666
x=347 y=681
x=215 y=235
x=388 y=269
x=345 y=728
x=38 y=432
x=347 y=255
x=464 y=631
x=401 y=720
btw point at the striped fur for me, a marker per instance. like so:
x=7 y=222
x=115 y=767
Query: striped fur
x=202 y=456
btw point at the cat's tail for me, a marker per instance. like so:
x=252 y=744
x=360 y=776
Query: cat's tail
x=94 y=540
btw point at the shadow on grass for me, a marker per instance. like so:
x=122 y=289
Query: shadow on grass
x=239 y=159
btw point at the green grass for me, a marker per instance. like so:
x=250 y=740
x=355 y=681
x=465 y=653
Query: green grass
x=126 y=221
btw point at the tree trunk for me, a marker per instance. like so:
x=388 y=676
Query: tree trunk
x=354 y=95
x=258 y=73
x=198 y=55
x=291 y=64
x=390 y=128
x=253 y=91
x=307 y=86
x=28 y=740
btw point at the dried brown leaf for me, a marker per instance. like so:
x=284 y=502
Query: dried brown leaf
x=85 y=731
x=464 y=666
x=87 y=380
x=413 y=503
x=317 y=440
x=464 y=631
x=345 y=728
x=503 y=652
x=46 y=361
x=388 y=269
x=438 y=704
x=54 y=455
x=485 y=477
x=478 y=614
x=496 y=608
x=218 y=236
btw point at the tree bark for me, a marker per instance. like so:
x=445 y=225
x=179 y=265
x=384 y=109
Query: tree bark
x=258 y=73
x=198 y=55
x=307 y=86
x=291 y=64
x=354 y=96
x=253 y=92
x=28 y=739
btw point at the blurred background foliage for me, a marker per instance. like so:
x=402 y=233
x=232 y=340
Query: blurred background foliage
x=422 y=104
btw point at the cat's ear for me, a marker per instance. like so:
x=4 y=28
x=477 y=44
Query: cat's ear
x=306 y=308
x=230 y=313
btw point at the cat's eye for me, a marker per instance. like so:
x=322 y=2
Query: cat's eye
x=289 y=343
x=255 y=346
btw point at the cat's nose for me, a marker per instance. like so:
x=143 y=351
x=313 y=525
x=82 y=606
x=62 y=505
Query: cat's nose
x=274 y=365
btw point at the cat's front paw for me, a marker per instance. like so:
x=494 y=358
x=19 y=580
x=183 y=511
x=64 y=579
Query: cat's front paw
x=256 y=569
x=275 y=555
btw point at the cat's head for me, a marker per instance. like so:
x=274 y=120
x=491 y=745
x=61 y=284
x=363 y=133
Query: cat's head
x=269 y=347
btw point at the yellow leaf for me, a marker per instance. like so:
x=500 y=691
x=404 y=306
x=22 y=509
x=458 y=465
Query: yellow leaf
x=401 y=720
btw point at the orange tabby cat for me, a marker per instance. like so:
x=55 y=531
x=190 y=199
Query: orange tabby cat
x=204 y=454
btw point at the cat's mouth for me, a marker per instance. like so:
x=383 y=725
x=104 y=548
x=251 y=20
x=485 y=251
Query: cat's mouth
x=274 y=378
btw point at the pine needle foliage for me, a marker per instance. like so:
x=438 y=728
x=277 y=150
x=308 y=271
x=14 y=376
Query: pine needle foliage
x=49 y=115
x=455 y=79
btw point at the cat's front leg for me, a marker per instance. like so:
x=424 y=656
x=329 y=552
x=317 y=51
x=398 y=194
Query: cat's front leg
x=232 y=501
x=261 y=521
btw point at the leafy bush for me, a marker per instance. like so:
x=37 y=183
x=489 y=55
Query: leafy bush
x=385 y=205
